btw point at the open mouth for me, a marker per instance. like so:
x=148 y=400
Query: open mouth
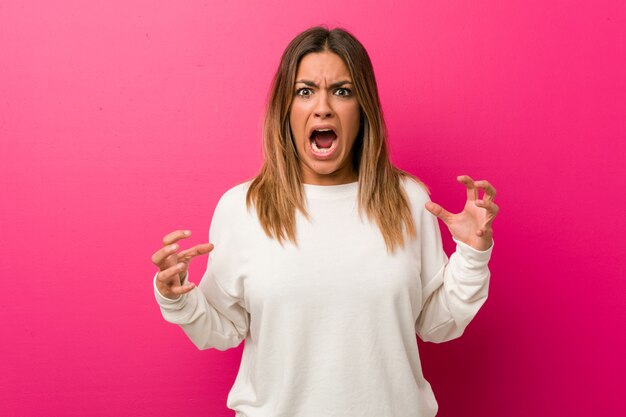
x=323 y=141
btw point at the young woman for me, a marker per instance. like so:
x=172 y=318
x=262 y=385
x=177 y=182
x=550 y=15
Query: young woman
x=329 y=262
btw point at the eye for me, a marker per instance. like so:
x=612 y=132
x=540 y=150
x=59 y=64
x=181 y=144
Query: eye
x=344 y=92
x=303 y=92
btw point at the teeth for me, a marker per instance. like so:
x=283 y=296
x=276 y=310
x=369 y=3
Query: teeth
x=321 y=150
x=322 y=130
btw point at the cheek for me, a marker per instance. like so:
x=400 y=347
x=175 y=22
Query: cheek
x=353 y=117
x=297 y=120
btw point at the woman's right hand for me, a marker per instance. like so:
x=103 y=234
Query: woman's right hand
x=173 y=266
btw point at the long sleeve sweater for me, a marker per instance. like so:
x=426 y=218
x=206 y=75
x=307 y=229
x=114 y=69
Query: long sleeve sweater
x=329 y=323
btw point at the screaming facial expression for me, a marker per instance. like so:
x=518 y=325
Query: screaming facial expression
x=324 y=117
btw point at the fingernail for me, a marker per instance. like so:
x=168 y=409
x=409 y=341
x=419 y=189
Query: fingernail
x=173 y=247
x=180 y=266
x=186 y=232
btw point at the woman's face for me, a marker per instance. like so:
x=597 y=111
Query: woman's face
x=324 y=117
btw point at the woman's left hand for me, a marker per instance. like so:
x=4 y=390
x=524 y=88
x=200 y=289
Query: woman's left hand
x=473 y=225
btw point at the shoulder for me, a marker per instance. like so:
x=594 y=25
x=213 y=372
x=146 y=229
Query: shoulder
x=425 y=222
x=235 y=195
x=232 y=203
x=416 y=191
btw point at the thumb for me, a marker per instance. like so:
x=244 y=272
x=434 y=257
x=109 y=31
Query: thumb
x=437 y=210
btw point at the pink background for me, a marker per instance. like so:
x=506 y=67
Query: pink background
x=123 y=120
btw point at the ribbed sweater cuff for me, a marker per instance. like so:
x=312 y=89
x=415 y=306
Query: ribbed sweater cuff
x=473 y=260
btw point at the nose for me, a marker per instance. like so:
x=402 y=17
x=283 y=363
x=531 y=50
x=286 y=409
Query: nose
x=322 y=107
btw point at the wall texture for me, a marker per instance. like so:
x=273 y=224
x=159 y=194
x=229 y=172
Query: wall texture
x=123 y=120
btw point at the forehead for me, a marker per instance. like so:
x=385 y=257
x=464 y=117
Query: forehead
x=317 y=66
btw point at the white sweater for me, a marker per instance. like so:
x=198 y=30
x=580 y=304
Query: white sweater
x=329 y=325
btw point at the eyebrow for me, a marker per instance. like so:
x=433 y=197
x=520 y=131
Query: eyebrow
x=333 y=85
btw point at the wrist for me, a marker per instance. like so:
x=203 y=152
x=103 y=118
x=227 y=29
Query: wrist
x=477 y=247
x=482 y=244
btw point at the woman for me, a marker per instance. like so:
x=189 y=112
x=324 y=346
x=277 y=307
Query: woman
x=329 y=261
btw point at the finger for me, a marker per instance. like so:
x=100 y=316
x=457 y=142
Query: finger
x=183 y=289
x=485 y=232
x=175 y=236
x=173 y=291
x=490 y=191
x=197 y=250
x=492 y=210
x=469 y=184
x=170 y=276
x=491 y=207
x=159 y=256
x=438 y=211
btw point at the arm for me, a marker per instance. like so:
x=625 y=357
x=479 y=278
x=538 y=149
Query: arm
x=454 y=294
x=213 y=314
x=454 y=289
x=209 y=316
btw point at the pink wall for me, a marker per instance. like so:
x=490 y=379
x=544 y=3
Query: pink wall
x=123 y=120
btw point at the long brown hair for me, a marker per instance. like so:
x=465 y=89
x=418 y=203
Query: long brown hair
x=277 y=191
